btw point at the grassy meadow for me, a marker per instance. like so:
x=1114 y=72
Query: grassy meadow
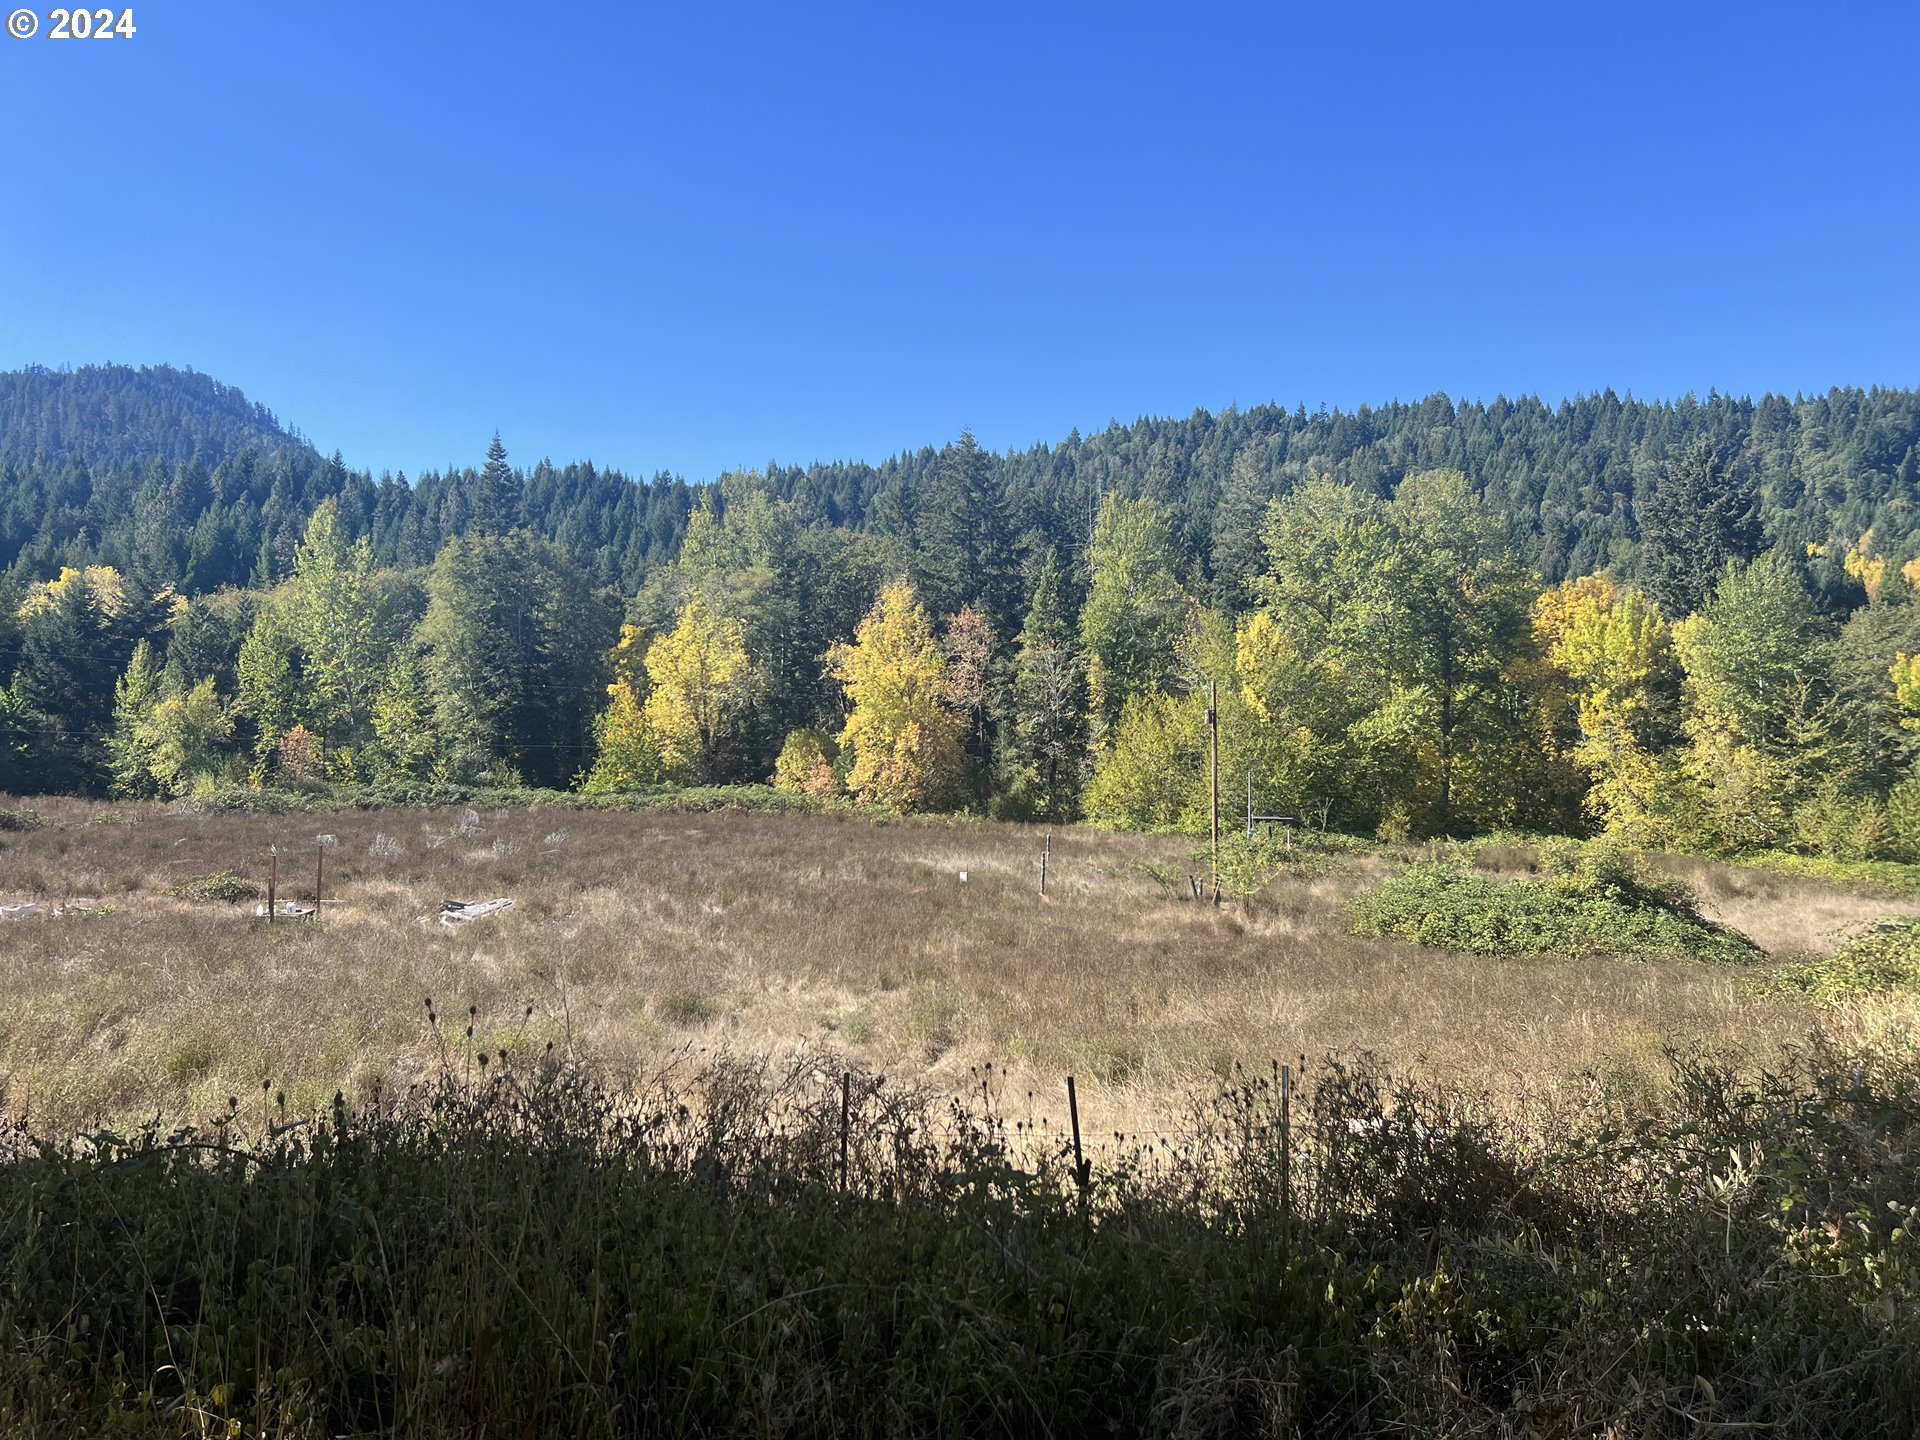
x=635 y=937
x=753 y=1124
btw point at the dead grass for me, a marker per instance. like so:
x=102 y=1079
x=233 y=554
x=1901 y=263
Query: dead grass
x=637 y=934
x=1782 y=913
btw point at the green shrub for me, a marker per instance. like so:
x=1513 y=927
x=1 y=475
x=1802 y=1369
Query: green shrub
x=1248 y=866
x=226 y=887
x=1883 y=961
x=1875 y=877
x=1903 y=820
x=1601 y=901
x=1841 y=825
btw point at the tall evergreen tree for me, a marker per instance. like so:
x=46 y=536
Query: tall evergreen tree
x=516 y=645
x=1700 y=515
x=1238 y=552
x=496 y=494
x=1044 y=741
x=963 y=543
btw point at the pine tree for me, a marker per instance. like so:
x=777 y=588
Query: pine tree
x=1045 y=739
x=496 y=495
x=515 y=646
x=1699 y=516
x=1238 y=554
x=963 y=542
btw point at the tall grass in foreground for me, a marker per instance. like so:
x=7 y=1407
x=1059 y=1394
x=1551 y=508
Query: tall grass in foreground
x=531 y=1251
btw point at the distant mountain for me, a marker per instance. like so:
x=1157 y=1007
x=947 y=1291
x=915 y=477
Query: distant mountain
x=109 y=415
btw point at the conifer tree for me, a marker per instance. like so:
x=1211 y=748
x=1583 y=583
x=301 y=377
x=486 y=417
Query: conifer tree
x=496 y=496
x=1699 y=516
x=1044 y=749
x=963 y=542
x=1238 y=554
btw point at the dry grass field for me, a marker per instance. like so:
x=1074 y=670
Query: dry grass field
x=635 y=936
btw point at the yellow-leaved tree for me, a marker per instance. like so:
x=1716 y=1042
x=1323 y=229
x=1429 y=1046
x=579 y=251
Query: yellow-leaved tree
x=1906 y=689
x=626 y=755
x=805 y=765
x=906 y=739
x=704 y=685
x=1614 y=653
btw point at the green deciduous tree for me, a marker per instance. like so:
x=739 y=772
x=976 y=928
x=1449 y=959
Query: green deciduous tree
x=1758 y=714
x=129 y=748
x=403 y=722
x=268 y=701
x=1419 y=606
x=184 y=736
x=1150 y=769
x=1135 y=608
x=339 y=618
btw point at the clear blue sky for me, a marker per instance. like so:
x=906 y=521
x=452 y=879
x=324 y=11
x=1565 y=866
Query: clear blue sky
x=694 y=236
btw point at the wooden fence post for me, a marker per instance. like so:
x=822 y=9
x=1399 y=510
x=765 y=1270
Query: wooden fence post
x=846 y=1107
x=1082 y=1172
x=1286 y=1148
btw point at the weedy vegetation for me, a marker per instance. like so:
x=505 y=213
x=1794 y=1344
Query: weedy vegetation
x=1884 y=961
x=1595 y=900
x=523 y=1248
x=1582 y=1184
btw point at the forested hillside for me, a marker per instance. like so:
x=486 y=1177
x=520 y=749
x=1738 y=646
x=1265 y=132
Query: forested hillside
x=1686 y=620
x=114 y=415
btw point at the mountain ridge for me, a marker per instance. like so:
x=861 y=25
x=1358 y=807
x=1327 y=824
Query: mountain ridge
x=112 y=414
x=100 y=464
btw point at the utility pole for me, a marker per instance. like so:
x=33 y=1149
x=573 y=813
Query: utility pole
x=1213 y=773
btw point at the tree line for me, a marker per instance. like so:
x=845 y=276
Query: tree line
x=1392 y=652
